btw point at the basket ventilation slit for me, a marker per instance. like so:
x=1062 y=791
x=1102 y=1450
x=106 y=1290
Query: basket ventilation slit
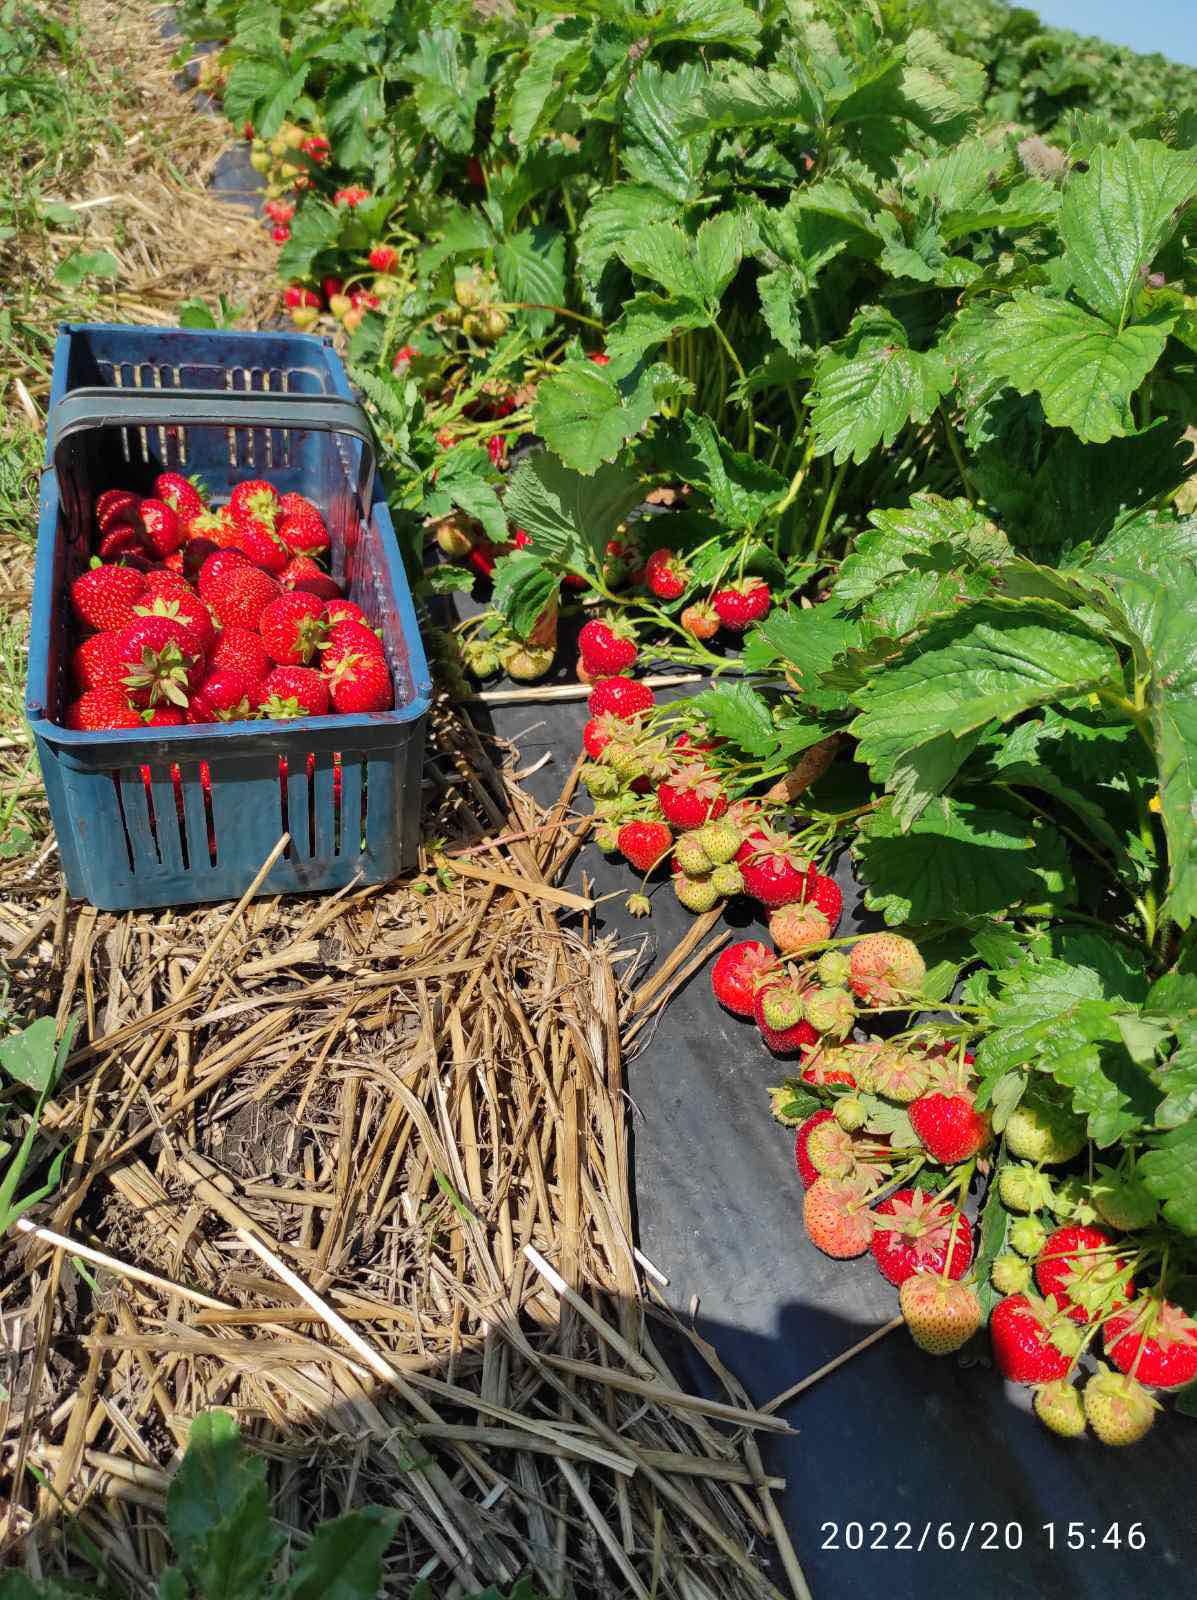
x=120 y=811
x=311 y=803
x=364 y=770
x=176 y=780
x=283 y=807
x=209 y=819
x=338 y=789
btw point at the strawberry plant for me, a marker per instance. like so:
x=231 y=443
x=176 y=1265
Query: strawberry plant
x=849 y=358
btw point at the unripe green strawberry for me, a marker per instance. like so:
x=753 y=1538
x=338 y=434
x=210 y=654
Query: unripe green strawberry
x=720 y=841
x=833 y=969
x=850 y=1113
x=1023 y=1189
x=1119 y=1410
x=831 y=1150
x=481 y=657
x=638 y=905
x=1028 y=1236
x=1045 y=1133
x=1122 y=1201
x=1070 y=1201
x=941 y=1314
x=1068 y=1337
x=831 y=1012
x=696 y=894
x=606 y=836
x=691 y=857
x=782 y=1007
x=728 y=879
x=600 y=781
x=1058 y=1406
x=624 y=760
x=900 y=1075
x=1010 y=1274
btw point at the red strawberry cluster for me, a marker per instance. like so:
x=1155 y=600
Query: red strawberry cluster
x=195 y=613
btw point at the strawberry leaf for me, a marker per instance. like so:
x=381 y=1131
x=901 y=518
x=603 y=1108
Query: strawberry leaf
x=866 y=398
x=1117 y=215
x=1169 y=1171
x=523 y=586
x=959 y=862
x=656 y=150
x=570 y=517
x=585 y=414
x=1083 y=371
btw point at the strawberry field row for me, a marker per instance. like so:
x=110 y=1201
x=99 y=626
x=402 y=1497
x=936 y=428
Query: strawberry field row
x=851 y=363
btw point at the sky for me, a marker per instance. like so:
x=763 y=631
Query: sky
x=1169 y=26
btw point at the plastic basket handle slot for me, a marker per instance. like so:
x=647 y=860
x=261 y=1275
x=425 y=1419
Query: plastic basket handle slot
x=85 y=409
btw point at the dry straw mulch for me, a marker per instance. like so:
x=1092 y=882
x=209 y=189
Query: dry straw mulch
x=356 y=1169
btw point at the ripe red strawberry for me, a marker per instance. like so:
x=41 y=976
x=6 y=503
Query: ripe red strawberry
x=96 y=663
x=884 y=967
x=254 y=497
x=116 y=505
x=837 y=1216
x=739 y=605
x=290 y=692
x=302 y=573
x=949 y=1127
x=941 y=1315
x=237 y=593
x=738 y=973
x=181 y=494
x=1155 y=1341
x=360 y=681
x=159 y=661
x=225 y=695
x=121 y=539
x=100 y=709
x=383 y=258
x=666 y=575
x=1025 y=1331
x=404 y=357
x=344 y=637
x=599 y=357
x=919 y=1233
x=291 y=629
x=774 y=867
x=700 y=620
x=240 y=650
x=807 y=1170
x=164 y=717
x=258 y=542
x=160 y=527
x=1079 y=1270
x=300 y=526
x=691 y=797
x=607 y=649
x=339 y=610
x=295 y=296
x=825 y=895
x=165 y=583
x=218 y=527
x=644 y=844
x=622 y=697
x=185 y=608
x=104 y=596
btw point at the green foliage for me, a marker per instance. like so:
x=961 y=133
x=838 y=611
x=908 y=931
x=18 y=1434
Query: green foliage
x=898 y=302
x=226 y=1545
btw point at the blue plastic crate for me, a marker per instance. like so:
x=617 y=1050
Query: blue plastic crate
x=137 y=824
